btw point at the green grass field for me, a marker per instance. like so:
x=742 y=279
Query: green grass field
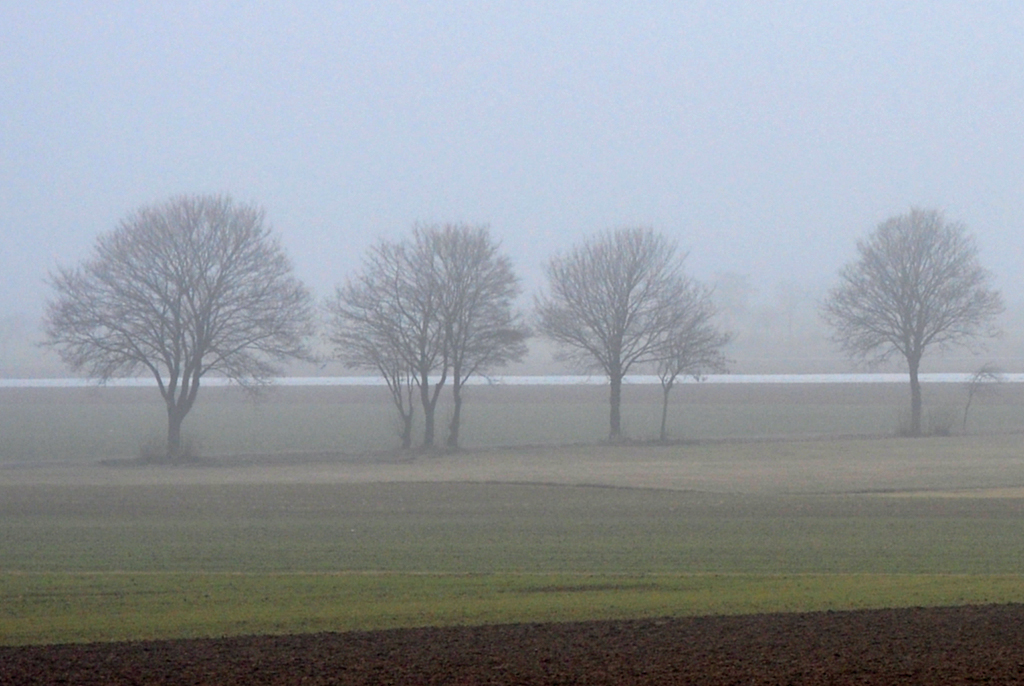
x=51 y=608
x=342 y=541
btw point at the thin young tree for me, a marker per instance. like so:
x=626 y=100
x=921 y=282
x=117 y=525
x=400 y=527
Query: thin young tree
x=611 y=302
x=483 y=330
x=985 y=377
x=694 y=348
x=197 y=285
x=916 y=284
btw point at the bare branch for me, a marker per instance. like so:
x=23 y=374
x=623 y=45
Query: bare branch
x=694 y=348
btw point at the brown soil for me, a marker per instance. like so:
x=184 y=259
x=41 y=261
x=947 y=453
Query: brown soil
x=908 y=646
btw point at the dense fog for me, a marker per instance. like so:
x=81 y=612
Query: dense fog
x=766 y=140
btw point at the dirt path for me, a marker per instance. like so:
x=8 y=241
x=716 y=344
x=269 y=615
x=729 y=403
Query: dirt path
x=971 y=644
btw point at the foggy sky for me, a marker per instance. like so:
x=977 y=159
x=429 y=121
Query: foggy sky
x=765 y=137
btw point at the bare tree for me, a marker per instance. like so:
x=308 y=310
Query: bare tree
x=194 y=286
x=366 y=328
x=916 y=283
x=694 y=347
x=611 y=302
x=482 y=328
x=438 y=303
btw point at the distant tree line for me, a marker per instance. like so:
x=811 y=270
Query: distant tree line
x=199 y=285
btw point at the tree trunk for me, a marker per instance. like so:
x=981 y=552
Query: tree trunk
x=179 y=400
x=915 y=397
x=615 y=399
x=453 y=427
x=400 y=390
x=406 y=430
x=428 y=397
x=428 y=418
x=174 y=419
x=666 y=389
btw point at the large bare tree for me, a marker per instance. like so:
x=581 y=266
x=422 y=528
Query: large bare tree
x=694 y=347
x=611 y=302
x=916 y=283
x=194 y=286
x=483 y=330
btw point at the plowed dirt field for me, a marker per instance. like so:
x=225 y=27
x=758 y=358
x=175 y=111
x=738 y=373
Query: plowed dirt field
x=973 y=644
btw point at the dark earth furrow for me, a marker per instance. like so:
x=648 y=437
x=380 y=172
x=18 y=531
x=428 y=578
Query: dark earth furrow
x=961 y=645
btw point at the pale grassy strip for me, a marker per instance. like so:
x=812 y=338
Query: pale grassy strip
x=61 y=608
x=1016 y=492
x=809 y=466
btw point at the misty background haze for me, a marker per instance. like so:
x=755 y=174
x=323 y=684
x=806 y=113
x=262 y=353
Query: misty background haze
x=766 y=138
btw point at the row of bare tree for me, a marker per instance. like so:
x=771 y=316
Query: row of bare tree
x=441 y=304
x=199 y=285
